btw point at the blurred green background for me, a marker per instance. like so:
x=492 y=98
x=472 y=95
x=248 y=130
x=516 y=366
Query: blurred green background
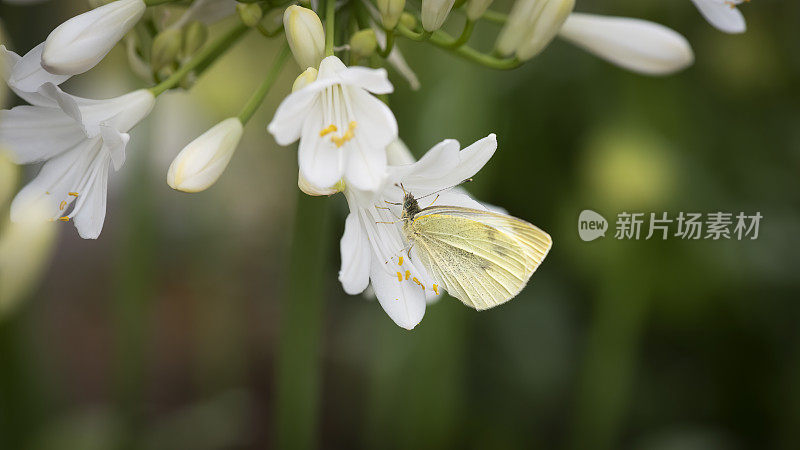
x=164 y=332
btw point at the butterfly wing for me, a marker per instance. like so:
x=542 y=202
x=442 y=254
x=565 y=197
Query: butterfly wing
x=482 y=258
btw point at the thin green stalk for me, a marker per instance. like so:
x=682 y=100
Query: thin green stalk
x=205 y=56
x=445 y=41
x=494 y=17
x=469 y=25
x=258 y=96
x=298 y=360
x=330 y=16
x=158 y=2
x=389 y=44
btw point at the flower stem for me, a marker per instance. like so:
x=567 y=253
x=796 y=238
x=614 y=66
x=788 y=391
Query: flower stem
x=258 y=96
x=205 y=56
x=298 y=359
x=389 y=44
x=445 y=41
x=469 y=25
x=494 y=17
x=330 y=16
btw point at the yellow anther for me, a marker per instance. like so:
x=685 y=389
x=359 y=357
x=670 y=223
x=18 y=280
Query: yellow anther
x=416 y=281
x=74 y=194
x=399 y=276
x=329 y=129
x=62 y=205
x=408 y=274
x=436 y=289
x=64 y=219
x=400 y=261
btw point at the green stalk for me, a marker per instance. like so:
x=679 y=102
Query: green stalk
x=469 y=25
x=298 y=359
x=208 y=54
x=330 y=16
x=441 y=39
x=258 y=96
x=389 y=44
x=158 y=2
x=495 y=17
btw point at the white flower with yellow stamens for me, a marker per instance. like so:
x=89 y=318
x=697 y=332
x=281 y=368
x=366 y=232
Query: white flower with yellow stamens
x=373 y=248
x=342 y=128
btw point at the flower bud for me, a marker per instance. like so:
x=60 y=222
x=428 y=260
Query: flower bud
x=391 y=10
x=80 y=43
x=305 y=35
x=408 y=20
x=434 y=13
x=200 y=164
x=166 y=47
x=476 y=8
x=250 y=13
x=546 y=26
x=363 y=43
x=304 y=79
x=194 y=36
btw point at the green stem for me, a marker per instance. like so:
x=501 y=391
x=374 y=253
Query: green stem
x=205 y=56
x=298 y=360
x=469 y=25
x=494 y=17
x=330 y=15
x=389 y=44
x=445 y=41
x=266 y=33
x=258 y=96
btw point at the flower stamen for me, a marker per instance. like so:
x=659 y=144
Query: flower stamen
x=327 y=130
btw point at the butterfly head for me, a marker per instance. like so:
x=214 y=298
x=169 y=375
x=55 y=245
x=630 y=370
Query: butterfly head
x=410 y=206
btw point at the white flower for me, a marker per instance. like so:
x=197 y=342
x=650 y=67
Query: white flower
x=305 y=35
x=26 y=74
x=377 y=252
x=78 y=139
x=634 y=44
x=203 y=160
x=532 y=25
x=80 y=43
x=434 y=13
x=476 y=8
x=343 y=130
x=723 y=14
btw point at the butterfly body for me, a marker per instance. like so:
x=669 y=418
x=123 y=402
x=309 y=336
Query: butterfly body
x=482 y=258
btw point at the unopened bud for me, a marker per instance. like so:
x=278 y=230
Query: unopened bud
x=194 y=36
x=304 y=79
x=363 y=43
x=305 y=35
x=391 y=10
x=200 y=164
x=476 y=8
x=434 y=13
x=250 y=13
x=408 y=20
x=547 y=25
x=166 y=47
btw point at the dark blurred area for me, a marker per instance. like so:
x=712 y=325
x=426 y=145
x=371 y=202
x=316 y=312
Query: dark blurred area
x=163 y=333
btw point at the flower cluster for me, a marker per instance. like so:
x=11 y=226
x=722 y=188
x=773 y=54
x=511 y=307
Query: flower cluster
x=348 y=136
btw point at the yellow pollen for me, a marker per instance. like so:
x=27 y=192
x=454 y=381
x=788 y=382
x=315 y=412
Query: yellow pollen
x=340 y=140
x=416 y=281
x=62 y=205
x=74 y=194
x=408 y=274
x=400 y=261
x=399 y=276
x=329 y=129
x=436 y=289
x=64 y=219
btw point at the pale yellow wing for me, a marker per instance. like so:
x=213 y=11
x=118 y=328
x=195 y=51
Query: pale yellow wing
x=482 y=258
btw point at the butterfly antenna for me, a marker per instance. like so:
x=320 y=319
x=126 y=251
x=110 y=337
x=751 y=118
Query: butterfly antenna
x=445 y=189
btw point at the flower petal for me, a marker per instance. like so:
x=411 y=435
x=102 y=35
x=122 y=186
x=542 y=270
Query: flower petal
x=26 y=74
x=634 y=44
x=404 y=301
x=34 y=133
x=321 y=163
x=444 y=166
x=287 y=124
x=722 y=15
x=356 y=256
x=89 y=213
x=366 y=153
x=373 y=80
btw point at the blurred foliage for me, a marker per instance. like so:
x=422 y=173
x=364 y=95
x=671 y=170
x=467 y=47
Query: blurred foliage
x=162 y=334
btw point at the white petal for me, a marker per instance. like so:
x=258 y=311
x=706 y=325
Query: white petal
x=114 y=142
x=722 y=15
x=404 y=301
x=287 y=124
x=373 y=80
x=35 y=133
x=636 y=45
x=356 y=256
x=444 y=166
x=366 y=153
x=90 y=208
x=27 y=73
x=321 y=163
x=330 y=67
